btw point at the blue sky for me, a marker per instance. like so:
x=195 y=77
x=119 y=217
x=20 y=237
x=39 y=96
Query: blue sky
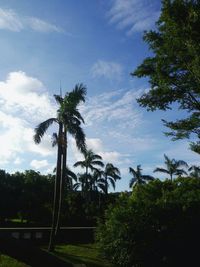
x=98 y=43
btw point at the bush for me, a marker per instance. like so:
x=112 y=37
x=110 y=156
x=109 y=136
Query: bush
x=158 y=225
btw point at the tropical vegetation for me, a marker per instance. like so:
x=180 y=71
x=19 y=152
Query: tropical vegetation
x=138 y=178
x=173 y=167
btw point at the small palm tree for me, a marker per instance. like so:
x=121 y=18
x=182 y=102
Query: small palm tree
x=111 y=175
x=173 y=167
x=138 y=178
x=69 y=121
x=194 y=171
x=90 y=163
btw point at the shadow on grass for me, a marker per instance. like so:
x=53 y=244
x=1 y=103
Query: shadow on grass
x=26 y=252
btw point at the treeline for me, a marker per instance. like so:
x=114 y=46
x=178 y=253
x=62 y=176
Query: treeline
x=26 y=198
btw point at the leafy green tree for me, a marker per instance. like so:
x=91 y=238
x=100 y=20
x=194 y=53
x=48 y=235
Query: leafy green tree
x=158 y=225
x=90 y=163
x=69 y=121
x=138 y=178
x=111 y=174
x=35 y=197
x=173 y=70
x=194 y=171
x=173 y=167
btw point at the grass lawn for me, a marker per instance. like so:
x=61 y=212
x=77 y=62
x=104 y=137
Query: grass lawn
x=6 y=261
x=87 y=254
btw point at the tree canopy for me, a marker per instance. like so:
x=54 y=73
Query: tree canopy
x=174 y=68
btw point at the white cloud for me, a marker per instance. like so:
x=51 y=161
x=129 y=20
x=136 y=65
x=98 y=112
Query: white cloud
x=23 y=104
x=10 y=20
x=97 y=147
x=39 y=164
x=24 y=94
x=133 y=15
x=107 y=69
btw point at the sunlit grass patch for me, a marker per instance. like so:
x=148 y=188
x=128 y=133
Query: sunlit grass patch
x=87 y=254
x=6 y=261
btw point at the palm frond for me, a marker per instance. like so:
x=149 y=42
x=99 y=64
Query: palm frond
x=76 y=186
x=79 y=164
x=133 y=172
x=112 y=182
x=42 y=128
x=71 y=174
x=182 y=163
x=54 y=139
x=79 y=92
x=161 y=170
x=77 y=132
x=58 y=99
x=132 y=182
x=98 y=163
x=148 y=177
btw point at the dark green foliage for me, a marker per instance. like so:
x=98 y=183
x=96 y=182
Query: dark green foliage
x=26 y=196
x=174 y=68
x=158 y=225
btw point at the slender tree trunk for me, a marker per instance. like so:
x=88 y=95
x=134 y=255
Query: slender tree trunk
x=171 y=176
x=56 y=192
x=63 y=177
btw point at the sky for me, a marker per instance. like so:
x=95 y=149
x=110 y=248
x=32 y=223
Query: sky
x=45 y=45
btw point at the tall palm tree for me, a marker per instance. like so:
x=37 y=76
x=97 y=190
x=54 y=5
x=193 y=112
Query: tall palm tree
x=173 y=167
x=111 y=175
x=138 y=178
x=69 y=121
x=90 y=163
x=194 y=171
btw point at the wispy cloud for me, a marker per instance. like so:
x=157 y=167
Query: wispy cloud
x=113 y=107
x=10 y=20
x=133 y=15
x=107 y=69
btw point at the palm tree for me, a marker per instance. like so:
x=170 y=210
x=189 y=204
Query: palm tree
x=90 y=162
x=173 y=167
x=138 y=178
x=69 y=121
x=194 y=171
x=111 y=175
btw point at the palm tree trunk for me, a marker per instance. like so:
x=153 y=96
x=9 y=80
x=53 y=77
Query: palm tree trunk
x=56 y=192
x=63 y=177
